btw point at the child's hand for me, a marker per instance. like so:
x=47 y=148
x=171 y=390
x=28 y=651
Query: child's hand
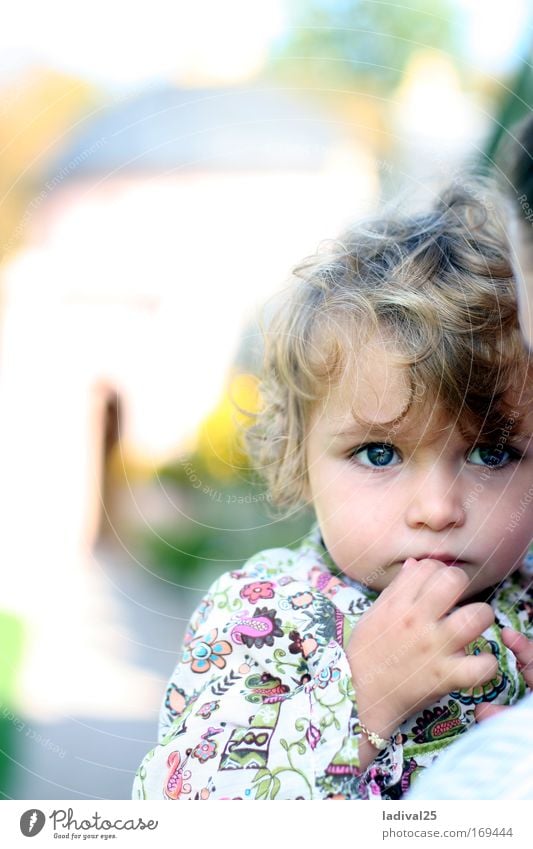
x=406 y=652
x=523 y=650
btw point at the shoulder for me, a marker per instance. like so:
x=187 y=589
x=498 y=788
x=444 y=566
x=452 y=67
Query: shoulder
x=257 y=582
x=280 y=566
x=269 y=563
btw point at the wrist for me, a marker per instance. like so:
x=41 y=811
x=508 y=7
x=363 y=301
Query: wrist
x=378 y=728
x=375 y=707
x=377 y=712
x=374 y=738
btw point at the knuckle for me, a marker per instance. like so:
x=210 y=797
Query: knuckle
x=424 y=646
x=487 y=613
x=456 y=577
x=406 y=621
x=450 y=582
x=482 y=615
x=436 y=674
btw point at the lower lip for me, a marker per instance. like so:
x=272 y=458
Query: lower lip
x=459 y=563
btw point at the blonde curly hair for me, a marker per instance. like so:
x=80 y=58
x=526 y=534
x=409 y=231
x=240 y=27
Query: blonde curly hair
x=440 y=284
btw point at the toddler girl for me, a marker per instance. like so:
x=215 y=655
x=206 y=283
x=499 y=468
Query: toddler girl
x=397 y=403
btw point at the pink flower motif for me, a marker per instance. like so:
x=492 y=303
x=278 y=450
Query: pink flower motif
x=205 y=750
x=257 y=590
x=313 y=735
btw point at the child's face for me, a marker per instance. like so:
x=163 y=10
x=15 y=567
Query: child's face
x=414 y=486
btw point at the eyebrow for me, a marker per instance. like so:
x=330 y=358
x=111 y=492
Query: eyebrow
x=392 y=431
x=372 y=429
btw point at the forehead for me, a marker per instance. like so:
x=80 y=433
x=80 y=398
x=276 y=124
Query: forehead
x=375 y=387
x=377 y=397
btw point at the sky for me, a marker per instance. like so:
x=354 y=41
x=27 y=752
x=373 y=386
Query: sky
x=118 y=44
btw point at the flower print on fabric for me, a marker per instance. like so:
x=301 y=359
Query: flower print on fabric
x=204 y=751
x=258 y=630
x=313 y=735
x=280 y=690
x=299 y=601
x=175 y=700
x=411 y=769
x=526 y=607
x=324 y=581
x=201 y=615
x=208 y=708
x=488 y=691
x=434 y=724
x=176 y=781
x=259 y=589
x=204 y=651
x=265 y=688
x=207 y=749
x=325 y=676
x=306 y=646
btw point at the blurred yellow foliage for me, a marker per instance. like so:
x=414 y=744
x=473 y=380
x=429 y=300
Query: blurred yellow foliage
x=219 y=438
x=37 y=111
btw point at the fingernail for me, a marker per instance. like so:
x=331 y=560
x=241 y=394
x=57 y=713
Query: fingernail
x=409 y=560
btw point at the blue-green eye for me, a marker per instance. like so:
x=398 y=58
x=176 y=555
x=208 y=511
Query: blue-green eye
x=492 y=457
x=377 y=455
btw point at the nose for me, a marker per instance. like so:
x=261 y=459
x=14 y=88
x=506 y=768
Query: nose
x=436 y=502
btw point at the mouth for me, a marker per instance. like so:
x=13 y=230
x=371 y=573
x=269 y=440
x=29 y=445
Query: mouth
x=445 y=558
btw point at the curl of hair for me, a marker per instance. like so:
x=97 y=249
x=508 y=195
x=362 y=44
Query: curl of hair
x=440 y=284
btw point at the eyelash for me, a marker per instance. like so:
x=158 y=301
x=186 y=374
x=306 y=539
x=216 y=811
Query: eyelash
x=514 y=455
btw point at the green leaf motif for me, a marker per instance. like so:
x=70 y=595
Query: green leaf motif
x=262 y=789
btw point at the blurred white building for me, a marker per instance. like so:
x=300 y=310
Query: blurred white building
x=165 y=221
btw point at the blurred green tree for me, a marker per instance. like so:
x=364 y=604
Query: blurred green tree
x=371 y=40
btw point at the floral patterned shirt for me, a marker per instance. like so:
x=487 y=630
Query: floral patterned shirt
x=261 y=704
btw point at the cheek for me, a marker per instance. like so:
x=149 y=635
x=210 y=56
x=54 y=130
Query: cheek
x=330 y=486
x=508 y=521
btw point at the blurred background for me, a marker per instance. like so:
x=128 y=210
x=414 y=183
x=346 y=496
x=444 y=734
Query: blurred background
x=162 y=167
